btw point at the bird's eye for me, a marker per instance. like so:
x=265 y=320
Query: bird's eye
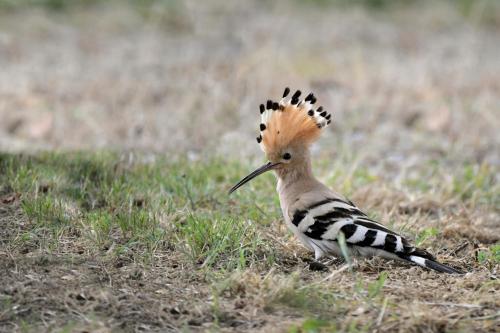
x=287 y=156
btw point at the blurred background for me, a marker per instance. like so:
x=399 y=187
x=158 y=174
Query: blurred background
x=406 y=81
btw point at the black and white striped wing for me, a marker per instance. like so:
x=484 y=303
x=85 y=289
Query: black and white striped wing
x=325 y=219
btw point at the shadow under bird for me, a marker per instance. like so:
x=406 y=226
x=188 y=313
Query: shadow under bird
x=315 y=213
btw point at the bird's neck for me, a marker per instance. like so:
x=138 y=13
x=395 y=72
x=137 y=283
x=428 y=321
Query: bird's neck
x=297 y=179
x=300 y=171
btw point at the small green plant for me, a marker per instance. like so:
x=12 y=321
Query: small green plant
x=100 y=224
x=313 y=326
x=372 y=290
x=489 y=256
x=344 y=249
x=375 y=288
x=425 y=235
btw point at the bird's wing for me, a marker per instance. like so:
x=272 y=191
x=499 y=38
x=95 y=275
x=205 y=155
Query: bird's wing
x=323 y=220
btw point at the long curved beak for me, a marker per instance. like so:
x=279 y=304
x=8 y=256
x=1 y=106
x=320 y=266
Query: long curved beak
x=266 y=167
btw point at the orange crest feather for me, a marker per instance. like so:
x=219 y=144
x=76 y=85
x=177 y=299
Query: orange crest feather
x=291 y=122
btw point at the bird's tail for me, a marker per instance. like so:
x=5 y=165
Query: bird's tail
x=425 y=259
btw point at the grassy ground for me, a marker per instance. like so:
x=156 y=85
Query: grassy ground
x=137 y=242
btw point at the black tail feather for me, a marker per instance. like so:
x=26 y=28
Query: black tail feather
x=440 y=267
x=428 y=261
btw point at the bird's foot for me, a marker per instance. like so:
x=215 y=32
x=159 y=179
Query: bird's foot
x=317 y=266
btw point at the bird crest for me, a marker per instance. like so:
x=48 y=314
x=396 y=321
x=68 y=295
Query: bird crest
x=291 y=122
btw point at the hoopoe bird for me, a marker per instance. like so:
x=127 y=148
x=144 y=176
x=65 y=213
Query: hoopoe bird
x=315 y=213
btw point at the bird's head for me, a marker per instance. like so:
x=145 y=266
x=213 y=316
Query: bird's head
x=287 y=129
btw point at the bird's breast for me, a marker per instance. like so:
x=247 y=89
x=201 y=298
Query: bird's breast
x=293 y=228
